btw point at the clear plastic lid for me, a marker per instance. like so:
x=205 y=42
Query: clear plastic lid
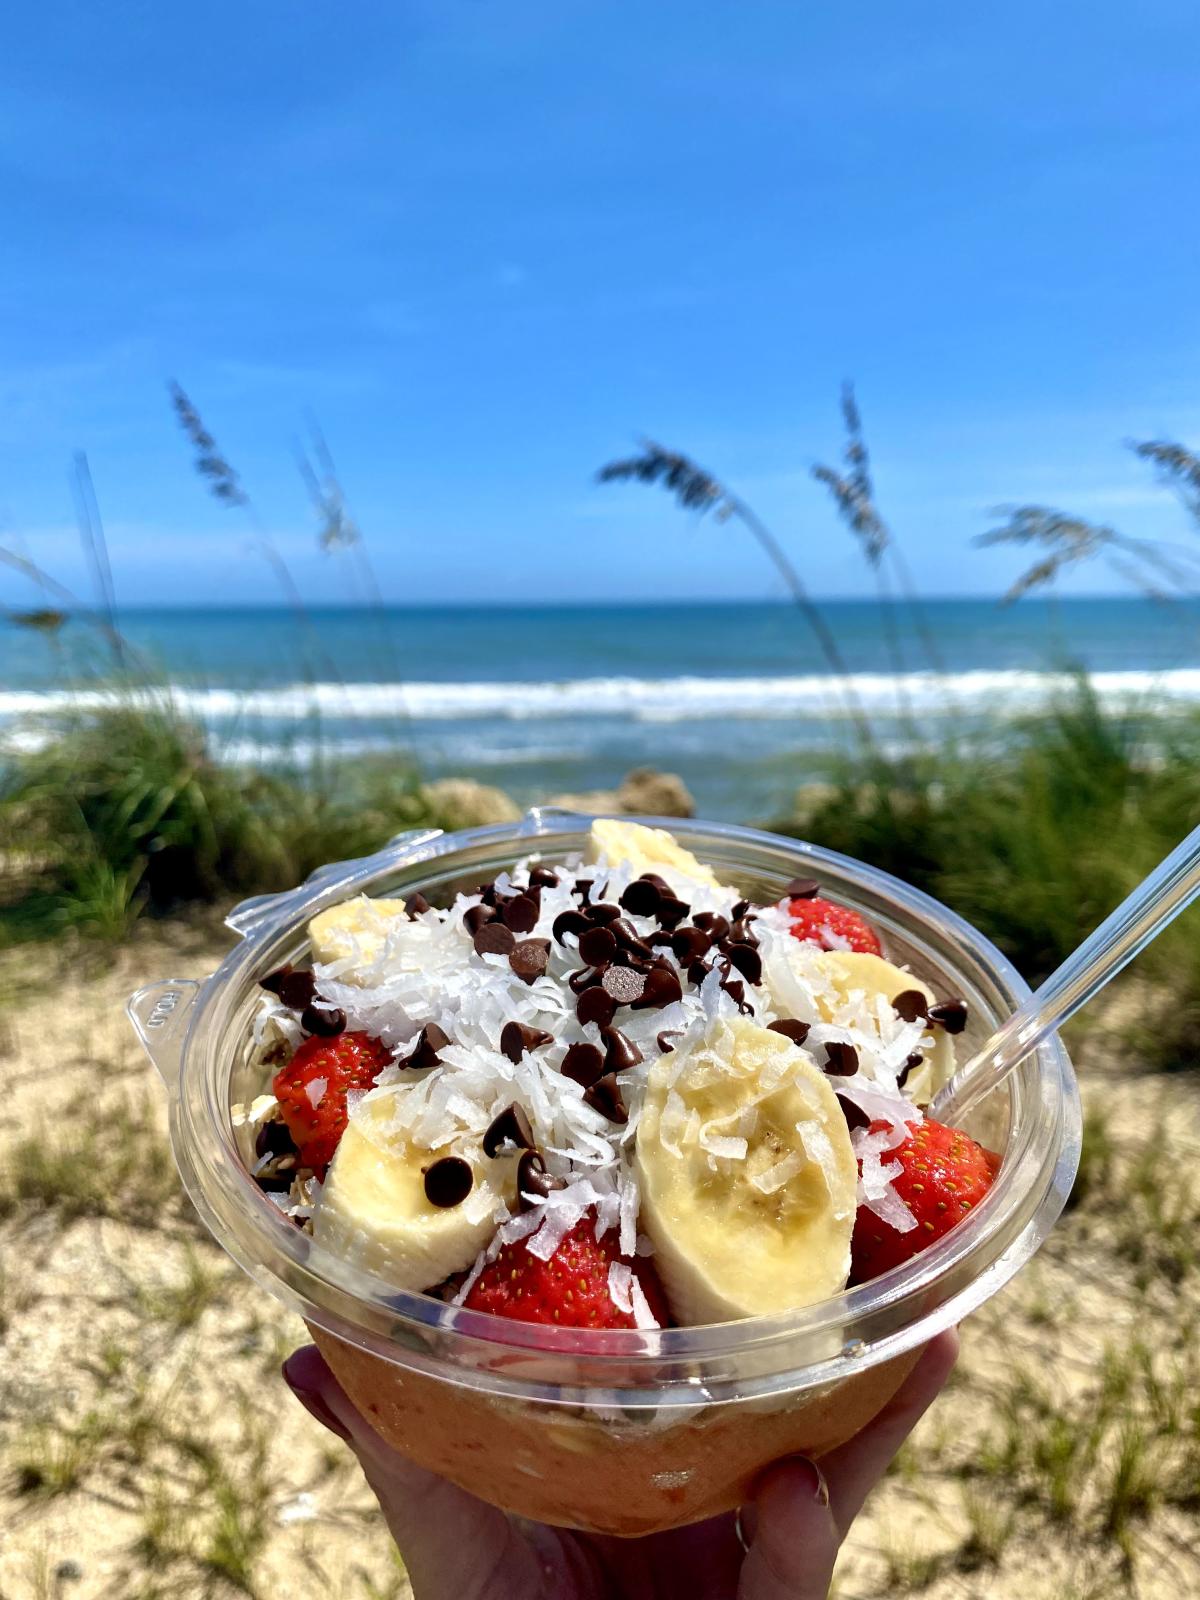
x=199 y=1035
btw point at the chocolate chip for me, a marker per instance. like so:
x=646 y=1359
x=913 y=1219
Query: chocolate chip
x=325 y=1024
x=583 y=887
x=273 y=1139
x=736 y=990
x=691 y=944
x=584 y=979
x=475 y=916
x=671 y=911
x=530 y=958
x=662 y=988
x=627 y=936
x=274 y=981
x=663 y=1040
x=740 y=932
x=624 y=984
x=603 y=913
x=424 y=1052
x=297 y=990
x=620 y=1052
x=533 y=1179
x=911 y=1063
x=510 y=1127
x=630 y=958
x=494 y=939
x=797 y=1032
x=910 y=1005
x=657 y=879
x=715 y=925
x=543 y=878
x=698 y=971
x=740 y=909
x=521 y=914
x=448 y=1182
x=583 y=1064
x=841 y=1060
x=596 y=1005
x=277 y=1180
x=597 y=945
x=569 y=922
x=802 y=889
x=949 y=1014
x=641 y=898
x=487 y=893
x=747 y=960
x=639 y=949
x=517 y=1039
x=604 y=1096
x=854 y=1114
x=415 y=905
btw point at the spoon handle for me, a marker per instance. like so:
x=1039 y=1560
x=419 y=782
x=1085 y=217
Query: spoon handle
x=1140 y=917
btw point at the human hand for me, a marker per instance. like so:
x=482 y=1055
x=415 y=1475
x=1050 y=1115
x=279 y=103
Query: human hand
x=456 y=1547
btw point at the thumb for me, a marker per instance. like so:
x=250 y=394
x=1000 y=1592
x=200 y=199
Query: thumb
x=795 y=1540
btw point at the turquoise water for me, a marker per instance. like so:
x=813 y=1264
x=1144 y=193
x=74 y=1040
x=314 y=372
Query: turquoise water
x=737 y=698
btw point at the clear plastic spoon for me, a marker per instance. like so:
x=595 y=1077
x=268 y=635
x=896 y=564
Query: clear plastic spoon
x=1156 y=901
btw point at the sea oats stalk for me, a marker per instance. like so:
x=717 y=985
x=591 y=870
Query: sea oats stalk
x=1160 y=570
x=226 y=486
x=48 y=618
x=1071 y=541
x=853 y=494
x=338 y=532
x=95 y=545
x=695 y=489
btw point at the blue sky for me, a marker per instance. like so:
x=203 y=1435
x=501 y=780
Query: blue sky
x=490 y=245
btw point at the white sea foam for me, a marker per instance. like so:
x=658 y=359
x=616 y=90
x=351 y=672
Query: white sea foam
x=996 y=692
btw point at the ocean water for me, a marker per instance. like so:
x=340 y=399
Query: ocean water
x=736 y=698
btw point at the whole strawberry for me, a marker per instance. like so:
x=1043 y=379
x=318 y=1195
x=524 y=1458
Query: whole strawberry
x=312 y=1090
x=945 y=1175
x=833 y=927
x=570 y=1289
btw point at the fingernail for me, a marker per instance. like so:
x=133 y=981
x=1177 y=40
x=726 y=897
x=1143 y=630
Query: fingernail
x=316 y=1407
x=815 y=1484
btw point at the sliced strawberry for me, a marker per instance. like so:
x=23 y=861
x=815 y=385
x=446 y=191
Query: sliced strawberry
x=570 y=1289
x=312 y=1090
x=833 y=927
x=944 y=1176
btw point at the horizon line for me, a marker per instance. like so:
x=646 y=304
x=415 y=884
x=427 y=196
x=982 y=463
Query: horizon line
x=606 y=603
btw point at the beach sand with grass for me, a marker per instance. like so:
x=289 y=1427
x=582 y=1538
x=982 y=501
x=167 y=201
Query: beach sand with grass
x=148 y=1449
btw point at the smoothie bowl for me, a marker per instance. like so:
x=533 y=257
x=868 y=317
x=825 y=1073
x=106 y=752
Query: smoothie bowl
x=592 y=1152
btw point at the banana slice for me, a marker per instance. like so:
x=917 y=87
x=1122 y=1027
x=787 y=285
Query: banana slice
x=647 y=850
x=356 y=929
x=374 y=1212
x=748 y=1181
x=854 y=972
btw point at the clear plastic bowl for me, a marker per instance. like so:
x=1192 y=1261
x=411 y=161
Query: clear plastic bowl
x=620 y=1432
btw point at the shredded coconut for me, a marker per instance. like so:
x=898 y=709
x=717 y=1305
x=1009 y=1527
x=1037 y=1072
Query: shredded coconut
x=424 y=970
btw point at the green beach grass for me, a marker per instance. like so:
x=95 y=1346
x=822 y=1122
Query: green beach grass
x=127 y=813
